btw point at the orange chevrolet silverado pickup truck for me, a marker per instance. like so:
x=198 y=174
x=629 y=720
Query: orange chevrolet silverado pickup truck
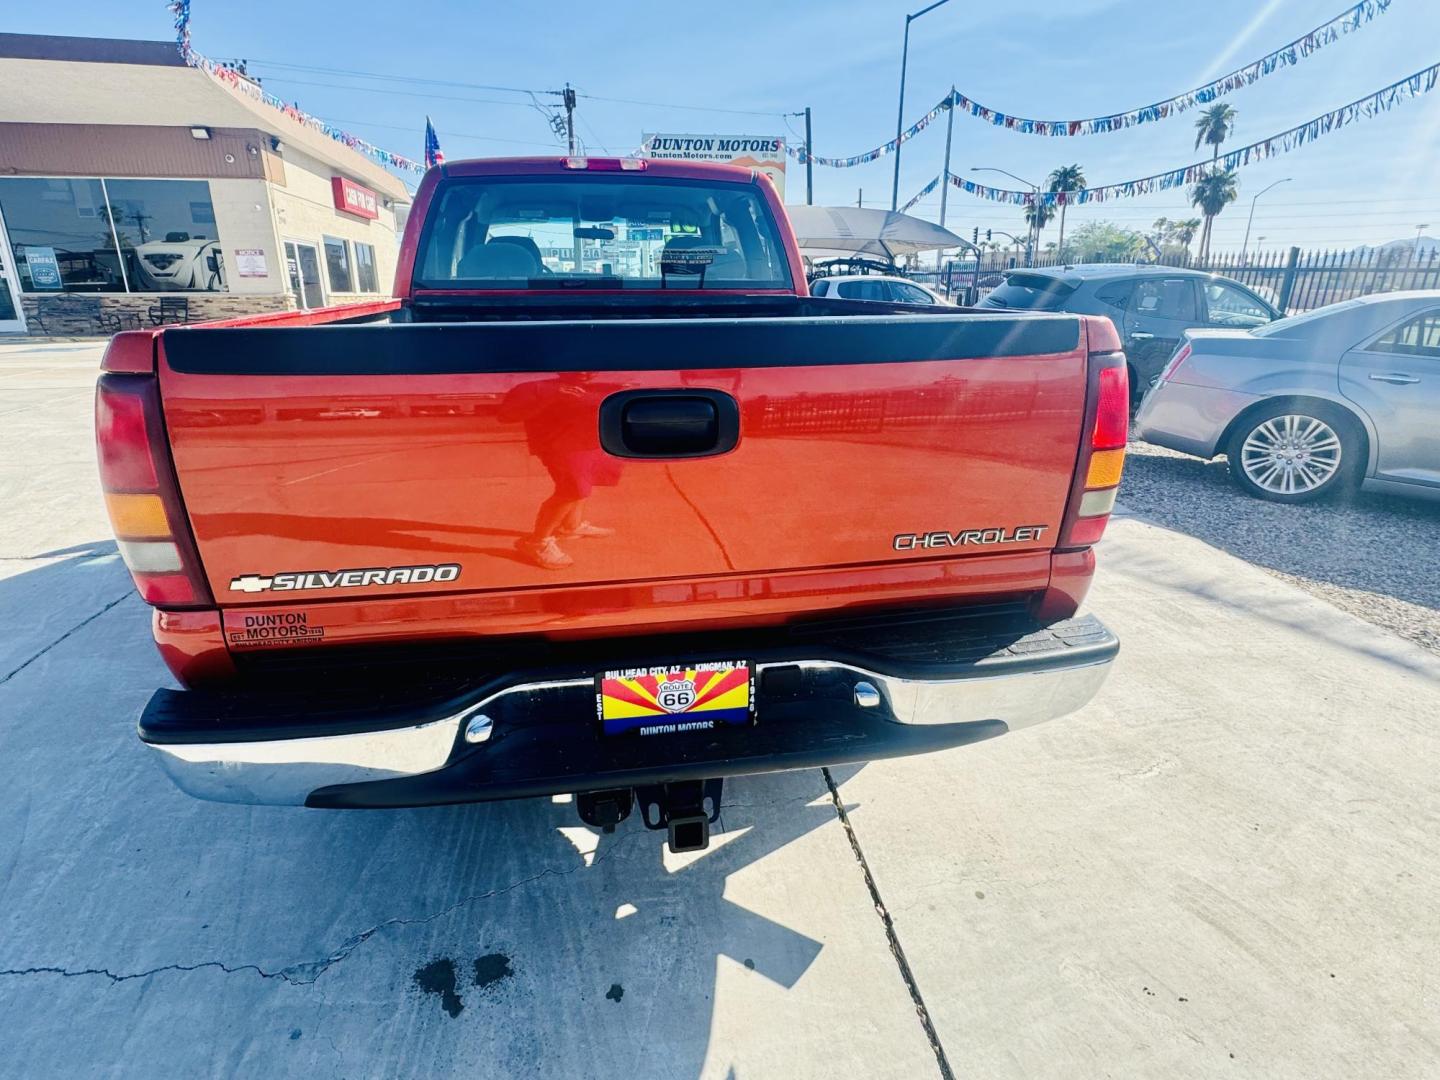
x=605 y=503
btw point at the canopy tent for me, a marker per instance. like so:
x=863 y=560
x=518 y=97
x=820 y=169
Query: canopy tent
x=855 y=230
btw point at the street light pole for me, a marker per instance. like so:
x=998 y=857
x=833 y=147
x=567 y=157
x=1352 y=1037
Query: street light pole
x=945 y=173
x=900 y=114
x=1418 y=230
x=1033 y=235
x=1249 y=221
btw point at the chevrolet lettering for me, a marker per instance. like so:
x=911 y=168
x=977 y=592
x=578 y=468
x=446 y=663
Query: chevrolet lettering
x=1018 y=534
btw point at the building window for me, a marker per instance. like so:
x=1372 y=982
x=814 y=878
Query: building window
x=167 y=235
x=62 y=227
x=337 y=264
x=369 y=278
x=65 y=233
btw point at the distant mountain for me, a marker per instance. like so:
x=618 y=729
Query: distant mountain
x=1429 y=245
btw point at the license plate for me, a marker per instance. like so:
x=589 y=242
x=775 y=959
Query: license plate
x=674 y=699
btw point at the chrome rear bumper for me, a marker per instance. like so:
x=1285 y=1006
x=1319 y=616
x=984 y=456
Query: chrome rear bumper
x=538 y=737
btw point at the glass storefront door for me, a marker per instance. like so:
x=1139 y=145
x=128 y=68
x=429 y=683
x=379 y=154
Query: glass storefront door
x=302 y=268
x=11 y=319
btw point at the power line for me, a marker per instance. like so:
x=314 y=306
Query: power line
x=405 y=93
x=398 y=78
x=446 y=133
x=692 y=108
x=413 y=80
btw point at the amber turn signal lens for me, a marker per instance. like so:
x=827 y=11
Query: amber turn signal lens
x=135 y=516
x=1105 y=468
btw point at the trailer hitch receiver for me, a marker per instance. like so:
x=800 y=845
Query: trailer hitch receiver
x=686 y=810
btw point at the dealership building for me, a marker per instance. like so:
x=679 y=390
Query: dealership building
x=135 y=189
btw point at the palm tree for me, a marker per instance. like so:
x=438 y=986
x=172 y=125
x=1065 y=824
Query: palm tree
x=1211 y=194
x=1185 y=231
x=1213 y=127
x=1037 y=216
x=1066 y=178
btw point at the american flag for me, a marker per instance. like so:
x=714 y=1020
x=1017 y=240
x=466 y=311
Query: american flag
x=433 y=154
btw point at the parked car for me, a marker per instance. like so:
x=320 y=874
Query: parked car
x=1151 y=306
x=621 y=530
x=887 y=289
x=1338 y=397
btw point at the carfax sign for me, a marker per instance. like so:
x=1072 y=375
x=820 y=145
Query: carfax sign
x=43 y=266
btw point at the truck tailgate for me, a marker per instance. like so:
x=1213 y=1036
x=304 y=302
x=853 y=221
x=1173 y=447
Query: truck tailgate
x=349 y=462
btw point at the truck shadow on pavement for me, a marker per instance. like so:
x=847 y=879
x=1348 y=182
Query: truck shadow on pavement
x=501 y=939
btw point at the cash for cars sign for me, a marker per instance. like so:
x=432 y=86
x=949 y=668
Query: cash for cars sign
x=763 y=152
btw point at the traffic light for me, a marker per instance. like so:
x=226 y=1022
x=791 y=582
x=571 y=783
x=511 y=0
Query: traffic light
x=975 y=237
x=987 y=234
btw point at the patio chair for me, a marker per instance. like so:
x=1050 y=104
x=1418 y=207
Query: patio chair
x=52 y=312
x=170 y=309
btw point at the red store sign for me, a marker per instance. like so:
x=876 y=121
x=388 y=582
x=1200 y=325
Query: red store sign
x=354 y=199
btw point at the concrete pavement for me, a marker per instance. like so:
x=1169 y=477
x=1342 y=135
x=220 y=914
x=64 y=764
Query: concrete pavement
x=1226 y=865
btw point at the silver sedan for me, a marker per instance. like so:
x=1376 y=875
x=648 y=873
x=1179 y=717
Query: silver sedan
x=1336 y=398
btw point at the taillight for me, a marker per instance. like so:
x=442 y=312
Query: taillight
x=141 y=495
x=1102 y=457
x=1181 y=355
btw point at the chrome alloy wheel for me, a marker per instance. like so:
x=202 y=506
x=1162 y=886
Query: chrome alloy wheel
x=1291 y=454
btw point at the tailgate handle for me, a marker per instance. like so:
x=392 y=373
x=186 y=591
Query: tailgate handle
x=669 y=423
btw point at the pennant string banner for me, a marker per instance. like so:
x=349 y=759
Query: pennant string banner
x=1288 y=55
x=926 y=190
x=1413 y=86
x=237 y=82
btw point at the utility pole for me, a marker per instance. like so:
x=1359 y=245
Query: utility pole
x=945 y=174
x=860 y=197
x=900 y=112
x=809 y=162
x=569 y=99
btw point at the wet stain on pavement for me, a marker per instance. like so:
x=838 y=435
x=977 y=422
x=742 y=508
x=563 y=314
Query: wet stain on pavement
x=491 y=968
x=615 y=993
x=438 y=977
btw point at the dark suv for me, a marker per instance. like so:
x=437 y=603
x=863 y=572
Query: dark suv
x=1151 y=306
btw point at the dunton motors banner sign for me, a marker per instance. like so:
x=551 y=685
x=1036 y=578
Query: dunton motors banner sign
x=763 y=152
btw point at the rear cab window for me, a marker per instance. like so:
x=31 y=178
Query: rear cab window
x=564 y=232
x=1034 y=291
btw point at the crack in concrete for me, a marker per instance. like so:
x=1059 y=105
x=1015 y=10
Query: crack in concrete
x=892 y=938
x=78 y=626
x=307 y=972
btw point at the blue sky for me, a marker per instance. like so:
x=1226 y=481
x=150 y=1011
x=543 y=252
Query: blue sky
x=1373 y=182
